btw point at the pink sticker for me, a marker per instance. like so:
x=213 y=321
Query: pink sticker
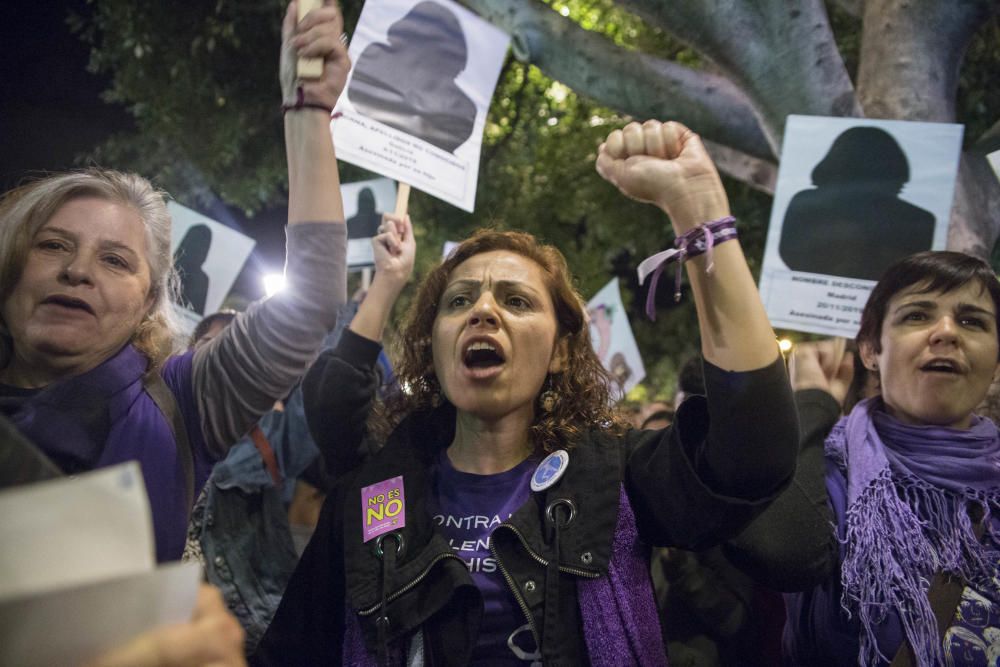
x=383 y=508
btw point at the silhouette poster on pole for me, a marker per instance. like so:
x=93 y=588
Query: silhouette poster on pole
x=416 y=100
x=208 y=256
x=611 y=336
x=853 y=196
x=364 y=203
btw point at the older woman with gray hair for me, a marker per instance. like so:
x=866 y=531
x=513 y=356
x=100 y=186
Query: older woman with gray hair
x=86 y=334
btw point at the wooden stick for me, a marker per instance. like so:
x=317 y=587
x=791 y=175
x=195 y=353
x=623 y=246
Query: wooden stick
x=366 y=278
x=402 y=199
x=309 y=68
x=839 y=350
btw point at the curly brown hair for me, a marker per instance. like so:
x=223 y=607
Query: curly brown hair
x=583 y=389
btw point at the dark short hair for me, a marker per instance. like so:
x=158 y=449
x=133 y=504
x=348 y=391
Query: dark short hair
x=936 y=271
x=224 y=317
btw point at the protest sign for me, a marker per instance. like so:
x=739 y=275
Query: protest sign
x=611 y=336
x=416 y=99
x=208 y=256
x=364 y=204
x=853 y=196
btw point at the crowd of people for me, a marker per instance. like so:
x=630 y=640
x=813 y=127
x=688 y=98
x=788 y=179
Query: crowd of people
x=511 y=513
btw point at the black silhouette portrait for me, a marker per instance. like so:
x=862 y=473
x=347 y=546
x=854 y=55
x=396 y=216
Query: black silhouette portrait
x=409 y=83
x=188 y=260
x=853 y=223
x=364 y=224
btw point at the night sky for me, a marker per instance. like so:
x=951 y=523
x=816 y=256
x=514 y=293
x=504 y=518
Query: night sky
x=51 y=114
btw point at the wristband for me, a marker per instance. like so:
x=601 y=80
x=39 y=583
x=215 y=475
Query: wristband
x=300 y=103
x=699 y=240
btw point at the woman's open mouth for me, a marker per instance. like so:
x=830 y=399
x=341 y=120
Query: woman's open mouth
x=483 y=359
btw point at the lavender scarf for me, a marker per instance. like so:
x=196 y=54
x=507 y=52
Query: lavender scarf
x=908 y=493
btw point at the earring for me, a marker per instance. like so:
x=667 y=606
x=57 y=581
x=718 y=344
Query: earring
x=547 y=399
x=433 y=391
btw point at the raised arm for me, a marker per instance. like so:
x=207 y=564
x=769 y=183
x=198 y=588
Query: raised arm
x=340 y=387
x=723 y=461
x=666 y=165
x=238 y=376
x=313 y=179
x=394 y=249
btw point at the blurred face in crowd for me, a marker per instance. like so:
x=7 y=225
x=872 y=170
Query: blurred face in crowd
x=494 y=336
x=939 y=354
x=84 y=290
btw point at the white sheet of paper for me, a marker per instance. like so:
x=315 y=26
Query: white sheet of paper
x=71 y=626
x=827 y=242
x=77 y=570
x=611 y=335
x=68 y=531
x=416 y=142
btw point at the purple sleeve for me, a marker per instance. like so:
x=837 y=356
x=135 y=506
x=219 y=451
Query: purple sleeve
x=177 y=373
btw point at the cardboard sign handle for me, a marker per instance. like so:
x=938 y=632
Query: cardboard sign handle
x=308 y=68
x=402 y=198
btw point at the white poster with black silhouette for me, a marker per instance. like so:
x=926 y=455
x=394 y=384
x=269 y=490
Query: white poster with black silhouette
x=417 y=96
x=853 y=196
x=208 y=256
x=364 y=204
x=611 y=336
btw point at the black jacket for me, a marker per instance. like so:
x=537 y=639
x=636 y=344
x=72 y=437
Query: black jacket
x=691 y=486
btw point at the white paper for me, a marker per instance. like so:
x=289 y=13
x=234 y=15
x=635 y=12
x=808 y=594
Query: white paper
x=71 y=626
x=64 y=532
x=77 y=573
x=828 y=243
x=406 y=112
x=612 y=338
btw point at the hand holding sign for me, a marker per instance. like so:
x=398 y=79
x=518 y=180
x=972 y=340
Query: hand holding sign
x=316 y=36
x=394 y=249
x=664 y=164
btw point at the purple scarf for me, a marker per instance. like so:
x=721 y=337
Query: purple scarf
x=908 y=493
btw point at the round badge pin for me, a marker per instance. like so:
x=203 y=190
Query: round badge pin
x=550 y=470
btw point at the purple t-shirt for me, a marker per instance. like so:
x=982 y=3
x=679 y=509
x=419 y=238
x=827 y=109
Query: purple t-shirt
x=467 y=508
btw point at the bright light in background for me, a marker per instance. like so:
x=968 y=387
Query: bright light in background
x=273 y=283
x=784 y=345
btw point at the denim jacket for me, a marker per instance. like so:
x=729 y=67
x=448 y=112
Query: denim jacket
x=240 y=523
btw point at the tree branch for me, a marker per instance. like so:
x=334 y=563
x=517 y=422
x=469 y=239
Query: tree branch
x=911 y=51
x=755 y=172
x=855 y=8
x=781 y=54
x=973 y=226
x=633 y=83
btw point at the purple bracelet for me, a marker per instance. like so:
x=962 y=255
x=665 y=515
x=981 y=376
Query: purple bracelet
x=696 y=241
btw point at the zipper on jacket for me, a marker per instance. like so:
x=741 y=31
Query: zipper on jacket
x=510 y=585
x=416 y=580
x=589 y=574
x=537 y=558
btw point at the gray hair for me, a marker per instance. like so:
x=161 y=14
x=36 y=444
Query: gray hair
x=24 y=210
